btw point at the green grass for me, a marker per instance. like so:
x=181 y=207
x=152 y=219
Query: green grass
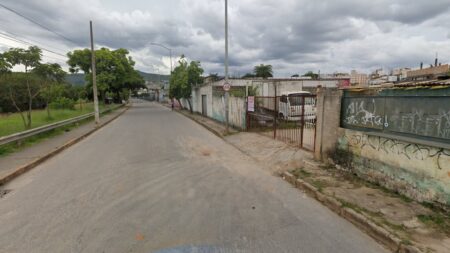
x=13 y=147
x=12 y=123
x=300 y=173
x=436 y=220
x=320 y=184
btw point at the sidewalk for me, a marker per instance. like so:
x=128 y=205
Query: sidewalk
x=416 y=227
x=14 y=161
x=212 y=125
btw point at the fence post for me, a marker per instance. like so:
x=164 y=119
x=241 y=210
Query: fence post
x=275 y=114
x=303 y=120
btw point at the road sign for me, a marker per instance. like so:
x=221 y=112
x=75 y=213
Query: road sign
x=250 y=103
x=226 y=86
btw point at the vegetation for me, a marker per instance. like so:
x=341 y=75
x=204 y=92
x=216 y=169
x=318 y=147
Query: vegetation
x=183 y=77
x=248 y=75
x=115 y=72
x=21 y=90
x=264 y=71
x=311 y=74
x=12 y=123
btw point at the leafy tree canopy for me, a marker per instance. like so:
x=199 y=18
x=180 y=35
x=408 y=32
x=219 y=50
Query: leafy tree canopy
x=183 y=77
x=264 y=71
x=248 y=75
x=114 y=70
x=311 y=74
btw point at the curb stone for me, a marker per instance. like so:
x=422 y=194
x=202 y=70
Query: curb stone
x=24 y=168
x=377 y=232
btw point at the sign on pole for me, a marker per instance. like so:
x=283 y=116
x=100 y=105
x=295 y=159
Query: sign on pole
x=251 y=103
x=226 y=86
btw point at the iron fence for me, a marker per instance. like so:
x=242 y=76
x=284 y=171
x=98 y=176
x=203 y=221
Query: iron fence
x=289 y=118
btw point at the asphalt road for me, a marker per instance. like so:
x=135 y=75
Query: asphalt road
x=154 y=181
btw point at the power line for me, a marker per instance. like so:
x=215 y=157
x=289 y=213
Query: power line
x=36 y=23
x=28 y=43
x=8 y=33
x=55 y=58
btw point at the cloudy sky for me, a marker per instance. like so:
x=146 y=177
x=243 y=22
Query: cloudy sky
x=294 y=36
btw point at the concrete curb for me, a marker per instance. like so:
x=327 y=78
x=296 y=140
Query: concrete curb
x=377 y=232
x=24 y=168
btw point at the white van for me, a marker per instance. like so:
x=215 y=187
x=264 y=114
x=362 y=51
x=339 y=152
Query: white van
x=290 y=106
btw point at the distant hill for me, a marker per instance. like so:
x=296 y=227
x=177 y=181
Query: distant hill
x=75 y=79
x=78 y=79
x=153 y=77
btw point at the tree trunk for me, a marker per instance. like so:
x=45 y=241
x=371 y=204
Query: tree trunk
x=18 y=109
x=190 y=106
x=179 y=102
x=30 y=101
x=48 y=109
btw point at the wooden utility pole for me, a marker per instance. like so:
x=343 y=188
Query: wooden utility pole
x=94 y=81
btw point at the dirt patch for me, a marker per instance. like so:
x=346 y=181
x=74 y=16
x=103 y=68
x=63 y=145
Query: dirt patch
x=274 y=156
x=411 y=221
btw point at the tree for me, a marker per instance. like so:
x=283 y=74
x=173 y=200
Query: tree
x=29 y=58
x=214 y=77
x=248 y=75
x=115 y=70
x=311 y=74
x=17 y=87
x=295 y=75
x=178 y=79
x=264 y=71
x=5 y=66
x=183 y=78
x=52 y=77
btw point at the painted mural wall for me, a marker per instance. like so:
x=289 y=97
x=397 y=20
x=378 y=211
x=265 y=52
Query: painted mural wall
x=419 y=171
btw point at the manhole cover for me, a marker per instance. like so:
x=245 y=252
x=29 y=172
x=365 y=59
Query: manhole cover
x=4 y=192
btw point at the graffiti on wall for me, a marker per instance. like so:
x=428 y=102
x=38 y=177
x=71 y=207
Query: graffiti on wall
x=410 y=151
x=418 y=121
x=363 y=113
x=416 y=116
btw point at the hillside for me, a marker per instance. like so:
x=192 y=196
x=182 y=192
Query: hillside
x=153 y=77
x=75 y=79
x=78 y=79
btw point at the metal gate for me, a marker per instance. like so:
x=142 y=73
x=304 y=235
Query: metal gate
x=289 y=118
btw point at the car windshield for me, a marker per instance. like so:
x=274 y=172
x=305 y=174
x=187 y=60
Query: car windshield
x=295 y=100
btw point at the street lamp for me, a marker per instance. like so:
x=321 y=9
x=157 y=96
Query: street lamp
x=170 y=53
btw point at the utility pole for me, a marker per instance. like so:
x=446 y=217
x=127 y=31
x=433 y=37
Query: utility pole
x=226 y=65
x=94 y=81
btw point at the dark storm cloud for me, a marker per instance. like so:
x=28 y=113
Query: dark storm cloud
x=292 y=35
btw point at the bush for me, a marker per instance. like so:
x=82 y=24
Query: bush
x=63 y=103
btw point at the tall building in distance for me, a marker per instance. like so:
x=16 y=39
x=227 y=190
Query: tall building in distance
x=358 y=79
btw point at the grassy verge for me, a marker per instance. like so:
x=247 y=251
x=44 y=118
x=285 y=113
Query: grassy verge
x=14 y=147
x=12 y=123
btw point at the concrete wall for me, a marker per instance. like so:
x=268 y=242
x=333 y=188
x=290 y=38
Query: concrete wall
x=197 y=99
x=236 y=107
x=327 y=125
x=413 y=167
x=216 y=106
x=419 y=171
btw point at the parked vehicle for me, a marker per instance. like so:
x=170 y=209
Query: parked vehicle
x=290 y=106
